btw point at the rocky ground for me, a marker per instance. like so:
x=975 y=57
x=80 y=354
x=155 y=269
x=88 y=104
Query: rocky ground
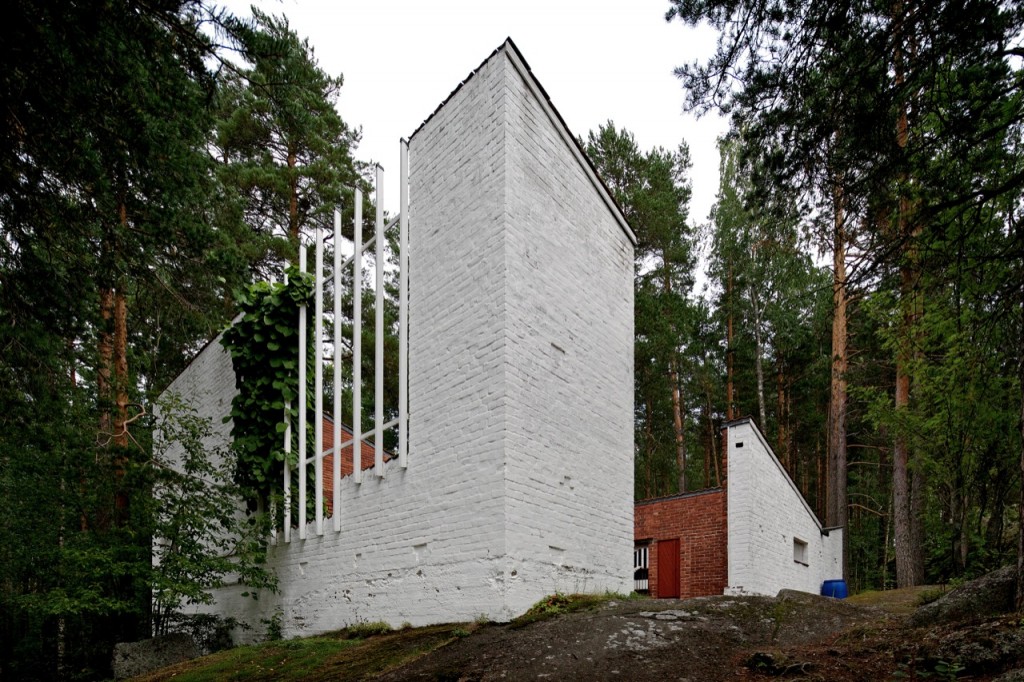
x=968 y=633
x=964 y=634
x=696 y=639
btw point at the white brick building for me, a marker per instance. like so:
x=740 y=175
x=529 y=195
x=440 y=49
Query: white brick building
x=755 y=534
x=520 y=475
x=775 y=539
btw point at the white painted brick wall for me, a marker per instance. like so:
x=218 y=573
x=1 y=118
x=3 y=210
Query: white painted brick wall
x=520 y=466
x=569 y=312
x=765 y=513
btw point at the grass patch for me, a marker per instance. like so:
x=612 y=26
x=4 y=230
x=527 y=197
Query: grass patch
x=335 y=656
x=364 y=630
x=282 y=660
x=928 y=596
x=902 y=601
x=558 y=603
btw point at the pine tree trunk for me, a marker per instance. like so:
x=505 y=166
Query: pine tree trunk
x=836 y=509
x=781 y=448
x=792 y=456
x=677 y=419
x=105 y=350
x=648 y=447
x=758 y=363
x=908 y=486
x=906 y=504
x=729 y=415
x=901 y=484
x=1020 y=425
x=712 y=441
x=120 y=369
x=120 y=387
x=707 y=465
x=673 y=375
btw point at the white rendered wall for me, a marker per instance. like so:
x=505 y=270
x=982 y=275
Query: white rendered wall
x=765 y=513
x=519 y=481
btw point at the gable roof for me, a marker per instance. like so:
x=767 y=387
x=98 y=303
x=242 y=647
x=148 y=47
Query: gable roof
x=519 y=62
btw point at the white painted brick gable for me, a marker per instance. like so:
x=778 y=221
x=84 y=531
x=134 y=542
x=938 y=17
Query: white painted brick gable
x=766 y=512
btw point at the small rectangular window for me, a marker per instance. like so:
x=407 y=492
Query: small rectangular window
x=800 y=551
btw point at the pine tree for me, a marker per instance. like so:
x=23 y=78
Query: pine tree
x=282 y=145
x=653 y=190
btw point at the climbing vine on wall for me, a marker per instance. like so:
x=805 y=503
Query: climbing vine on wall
x=264 y=348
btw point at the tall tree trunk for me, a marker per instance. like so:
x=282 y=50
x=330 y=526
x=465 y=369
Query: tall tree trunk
x=673 y=376
x=755 y=306
x=781 y=448
x=648 y=446
x=712 y=438
x=906 y=504
x=677 y=418
x=105 y=349
x=707 y=465
x=836 y=511
x=901 y=486
x=1020 y=425
x=791 y=452
x=729 y=351
x=822 y=480
x=120 y=362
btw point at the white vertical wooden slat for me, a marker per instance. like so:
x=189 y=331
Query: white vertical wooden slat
x=273 y=501
x=287 y=483
x=336 y=445
x=318 y=384
x=403 y=309
x=302 y=404
x=378 y=356
x=273 y=518
x=357 y=341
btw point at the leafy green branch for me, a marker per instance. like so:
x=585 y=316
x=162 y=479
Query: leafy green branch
x=263 y=344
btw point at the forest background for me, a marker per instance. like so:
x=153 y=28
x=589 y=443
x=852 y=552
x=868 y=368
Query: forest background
x=865 y=297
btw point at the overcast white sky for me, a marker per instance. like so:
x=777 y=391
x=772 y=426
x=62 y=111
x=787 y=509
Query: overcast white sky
x=597 y=60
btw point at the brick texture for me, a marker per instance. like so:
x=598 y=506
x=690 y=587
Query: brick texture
x=699 y=521
x=366 y=456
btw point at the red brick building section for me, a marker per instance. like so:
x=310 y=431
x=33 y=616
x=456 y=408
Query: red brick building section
x=698 y=521
x=366 y=458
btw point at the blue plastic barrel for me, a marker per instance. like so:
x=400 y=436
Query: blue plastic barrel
x=834 y=588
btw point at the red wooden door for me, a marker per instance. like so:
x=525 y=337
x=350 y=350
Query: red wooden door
x=668 y=569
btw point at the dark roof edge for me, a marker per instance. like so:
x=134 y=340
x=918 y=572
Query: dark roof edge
x=678 y=496
x=595 y=177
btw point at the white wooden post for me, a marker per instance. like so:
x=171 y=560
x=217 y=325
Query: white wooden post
x=318 y=385
x=403 y=309
x=273 y=502
x=336 y=445
x=378 y=357
x=357 y=340
x=287 y=483
x=302 y=404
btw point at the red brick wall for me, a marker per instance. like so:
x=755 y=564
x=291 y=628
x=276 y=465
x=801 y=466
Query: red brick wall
x=699 y=521
x=366 y=461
